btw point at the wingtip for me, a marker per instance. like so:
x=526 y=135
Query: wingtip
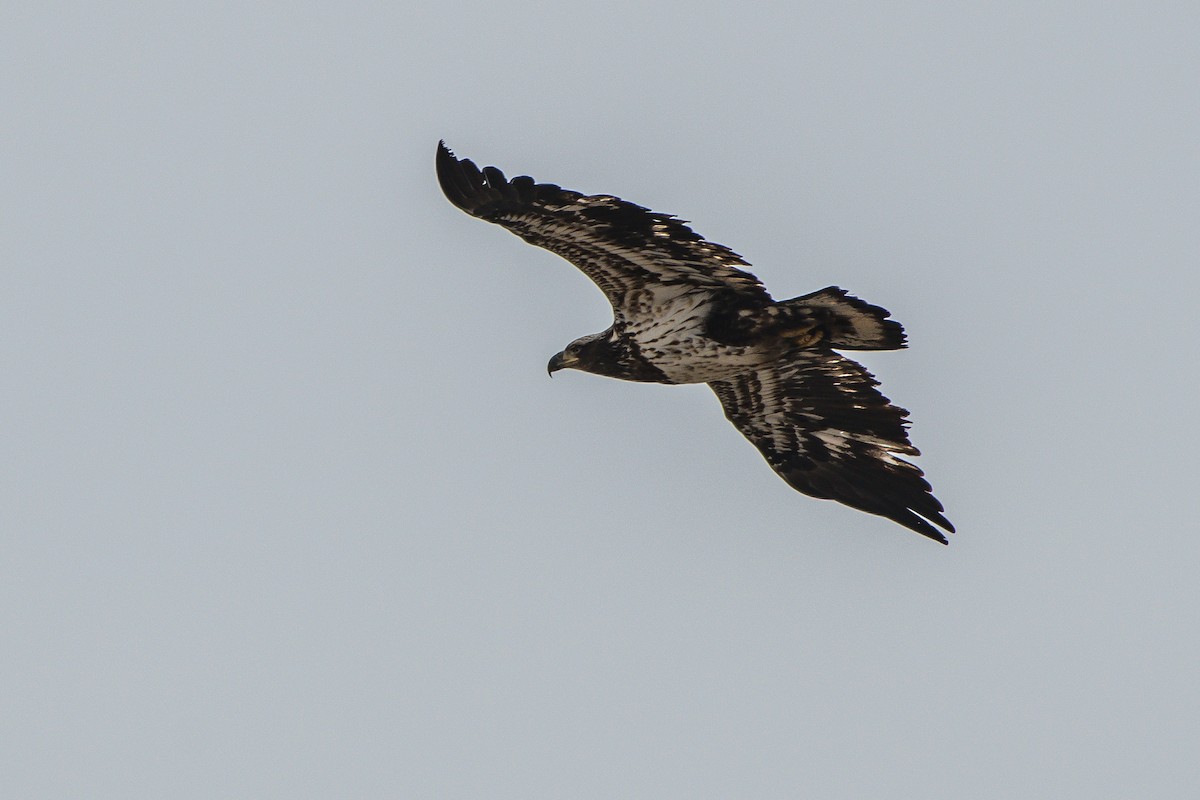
x=455 y=176
x=445 y=156
x=924 y=520
x=476 y=191
x=931 y=532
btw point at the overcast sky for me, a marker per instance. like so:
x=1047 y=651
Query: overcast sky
x=290 y=509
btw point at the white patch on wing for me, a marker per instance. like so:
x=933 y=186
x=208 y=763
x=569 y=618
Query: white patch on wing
x=840 y=442
x=833 y=439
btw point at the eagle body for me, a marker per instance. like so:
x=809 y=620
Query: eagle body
x=685 y=311
x=672 y=333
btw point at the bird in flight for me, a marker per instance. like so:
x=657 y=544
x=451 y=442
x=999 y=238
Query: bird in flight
x=686 y=311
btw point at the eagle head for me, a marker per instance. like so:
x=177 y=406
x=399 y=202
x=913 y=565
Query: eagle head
x=583 y=354
x=608 y=354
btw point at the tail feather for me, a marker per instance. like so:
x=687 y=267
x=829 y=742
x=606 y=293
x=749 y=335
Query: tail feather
x=852 y=324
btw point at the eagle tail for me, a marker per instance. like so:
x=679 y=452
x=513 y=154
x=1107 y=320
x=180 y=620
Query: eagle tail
x=851 y=323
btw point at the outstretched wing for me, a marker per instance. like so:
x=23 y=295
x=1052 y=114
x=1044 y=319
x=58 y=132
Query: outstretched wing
x=624 y=248
x=824 y=427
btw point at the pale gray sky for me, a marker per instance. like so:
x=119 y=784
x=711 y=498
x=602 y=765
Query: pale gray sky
x=289 y=508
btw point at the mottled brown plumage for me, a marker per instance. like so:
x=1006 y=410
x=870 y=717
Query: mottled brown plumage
x=684 y=311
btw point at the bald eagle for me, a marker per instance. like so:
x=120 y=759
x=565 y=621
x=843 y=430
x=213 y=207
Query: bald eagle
x=685 y=311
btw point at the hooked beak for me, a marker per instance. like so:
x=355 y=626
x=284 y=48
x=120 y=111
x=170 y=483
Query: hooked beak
x=560 y=361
